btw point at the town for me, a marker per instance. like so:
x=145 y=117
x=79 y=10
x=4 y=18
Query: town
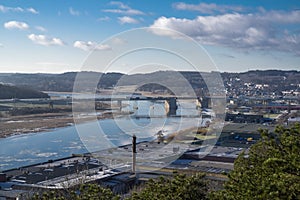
x=250 y=106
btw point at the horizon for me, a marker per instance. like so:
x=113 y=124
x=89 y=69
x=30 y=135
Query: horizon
x=111 y=72
x=227 y=32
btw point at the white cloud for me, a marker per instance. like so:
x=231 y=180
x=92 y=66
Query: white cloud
x=16 y=25
x=74 y=12
x=89 y=46
x=127 y=20
x=123 y=9
x=263 y=30
x=119 y=4
x=32 y=10
x=40 y=28
x=1 y=45
x=5 y=9
x=118 y=41
x=281 y=17
x=124 y=12
x=207 y=8
x=101 y=19
x=10 y=9
x=44 y=40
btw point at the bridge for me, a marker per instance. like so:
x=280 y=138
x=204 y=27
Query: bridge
x=170 y=101
x=277 y=107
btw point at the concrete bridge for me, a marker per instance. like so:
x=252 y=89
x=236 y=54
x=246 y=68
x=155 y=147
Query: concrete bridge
x=170 y=102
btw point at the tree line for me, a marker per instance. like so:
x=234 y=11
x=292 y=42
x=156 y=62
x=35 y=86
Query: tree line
x=13 y=92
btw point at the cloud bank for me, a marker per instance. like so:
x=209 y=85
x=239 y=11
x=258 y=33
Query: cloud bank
x=261 y=31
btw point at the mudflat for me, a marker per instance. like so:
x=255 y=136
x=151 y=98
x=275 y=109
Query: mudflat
x=15 y=125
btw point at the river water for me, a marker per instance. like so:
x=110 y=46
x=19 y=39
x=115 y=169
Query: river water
x=27 y=149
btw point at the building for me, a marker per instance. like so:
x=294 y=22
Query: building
x=244 y=118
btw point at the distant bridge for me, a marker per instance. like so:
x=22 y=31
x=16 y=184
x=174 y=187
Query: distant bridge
x=170 y=102
x=162 y=116
x=277 y=107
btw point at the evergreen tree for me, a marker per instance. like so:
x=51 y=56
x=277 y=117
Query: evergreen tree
x=181 y=187
x=271 y=170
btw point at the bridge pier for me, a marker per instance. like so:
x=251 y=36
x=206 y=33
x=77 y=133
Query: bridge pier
x=205 y=102
x=171 y=106
x=119 y=104
x=198 y=104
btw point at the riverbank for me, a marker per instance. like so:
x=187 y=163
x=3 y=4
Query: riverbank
x=40 y=115
x=22 y=124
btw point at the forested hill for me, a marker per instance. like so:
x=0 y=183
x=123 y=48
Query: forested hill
x=277 y=80
x=58 y=82
x=13 y=92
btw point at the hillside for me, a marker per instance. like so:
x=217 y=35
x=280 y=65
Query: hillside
x=13 y=92
x=276 y=80
x=58 y=82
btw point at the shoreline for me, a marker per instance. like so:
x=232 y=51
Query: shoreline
x=38 y=123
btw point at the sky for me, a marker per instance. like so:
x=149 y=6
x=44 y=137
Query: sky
x=54 y=36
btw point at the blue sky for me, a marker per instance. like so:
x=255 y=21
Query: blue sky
x=57 y=36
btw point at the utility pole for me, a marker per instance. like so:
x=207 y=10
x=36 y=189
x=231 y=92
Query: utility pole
x=133 y=153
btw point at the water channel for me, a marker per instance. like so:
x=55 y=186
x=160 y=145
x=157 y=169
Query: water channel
x=22 y=150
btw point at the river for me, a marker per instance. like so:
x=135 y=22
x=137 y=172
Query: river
x=21 y=150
